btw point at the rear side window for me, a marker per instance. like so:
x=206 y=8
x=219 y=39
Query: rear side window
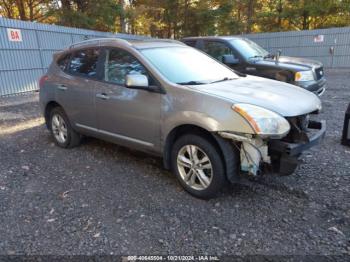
x=63 y=62
x=84 y=63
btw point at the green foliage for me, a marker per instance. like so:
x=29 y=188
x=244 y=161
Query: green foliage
x=98 y=15
x=179 y=18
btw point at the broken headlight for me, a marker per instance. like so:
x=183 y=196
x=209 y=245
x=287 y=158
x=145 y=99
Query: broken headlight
x=264 y=122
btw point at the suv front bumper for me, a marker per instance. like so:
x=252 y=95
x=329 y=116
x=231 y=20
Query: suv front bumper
x=294 y=149
x=317 y=87
x=276 y=155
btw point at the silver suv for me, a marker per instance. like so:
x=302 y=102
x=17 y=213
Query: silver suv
x=210 y=124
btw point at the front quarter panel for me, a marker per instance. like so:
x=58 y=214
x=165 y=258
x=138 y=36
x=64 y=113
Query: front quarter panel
x=185 y=106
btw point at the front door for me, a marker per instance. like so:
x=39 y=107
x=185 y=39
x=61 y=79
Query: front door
x=129 y=115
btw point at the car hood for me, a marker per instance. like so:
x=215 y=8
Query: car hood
x=282 y=98
x=300 y=61
x=291 y=63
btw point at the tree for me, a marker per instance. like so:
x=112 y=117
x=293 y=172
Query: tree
x=122 y=16
x=7 y=8
x=98 y=15
x=179 y=18
x=31 y=10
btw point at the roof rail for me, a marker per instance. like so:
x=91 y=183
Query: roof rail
x=97 y=41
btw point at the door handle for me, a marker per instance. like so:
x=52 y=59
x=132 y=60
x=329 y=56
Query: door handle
x=103 y=96
x=62 y=87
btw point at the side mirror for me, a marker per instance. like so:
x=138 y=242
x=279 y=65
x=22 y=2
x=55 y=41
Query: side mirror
x=230 y=60
x=136 y=81
x=278 y=54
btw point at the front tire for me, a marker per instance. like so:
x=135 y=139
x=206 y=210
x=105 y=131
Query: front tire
x=61 y=130
x=198 y=165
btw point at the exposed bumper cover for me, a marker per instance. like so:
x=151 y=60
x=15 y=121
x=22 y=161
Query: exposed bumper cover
x=293 y=149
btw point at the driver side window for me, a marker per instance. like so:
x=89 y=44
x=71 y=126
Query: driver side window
x=217 y=50
x=120 y=63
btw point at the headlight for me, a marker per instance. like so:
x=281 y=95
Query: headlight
x=304 y=76
x=264 y=122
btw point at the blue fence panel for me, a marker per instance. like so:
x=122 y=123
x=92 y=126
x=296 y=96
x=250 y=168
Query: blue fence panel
x=303 y=44
x=22 y=63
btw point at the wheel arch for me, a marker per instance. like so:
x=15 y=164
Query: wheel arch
x=48 y=108
x=227 y=151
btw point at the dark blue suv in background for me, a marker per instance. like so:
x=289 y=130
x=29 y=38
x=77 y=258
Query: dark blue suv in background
x=247 y=57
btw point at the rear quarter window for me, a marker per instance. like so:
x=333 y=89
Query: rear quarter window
x=84 y=63
x=63 y=61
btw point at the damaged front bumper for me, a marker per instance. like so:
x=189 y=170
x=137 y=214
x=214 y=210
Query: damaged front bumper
x=284 y=155
x=279 y=156
x=294 y=149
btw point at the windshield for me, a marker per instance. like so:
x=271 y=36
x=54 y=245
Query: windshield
x=249 y=49
x=184 y=65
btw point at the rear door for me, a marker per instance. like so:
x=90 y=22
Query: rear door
x=60 y=80
x=127 y=115
x=76 y=88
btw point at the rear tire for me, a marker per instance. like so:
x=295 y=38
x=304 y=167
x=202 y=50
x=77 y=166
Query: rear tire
x=61 y=130
x=198 y=165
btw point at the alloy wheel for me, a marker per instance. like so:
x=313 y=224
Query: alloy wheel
x=194 y=167
x=59 y=128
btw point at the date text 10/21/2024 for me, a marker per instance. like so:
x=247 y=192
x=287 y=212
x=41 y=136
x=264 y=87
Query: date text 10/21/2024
x=171 y=258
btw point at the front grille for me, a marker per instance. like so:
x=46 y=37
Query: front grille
x=319 y=73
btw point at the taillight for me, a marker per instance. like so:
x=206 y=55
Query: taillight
x=42 y=80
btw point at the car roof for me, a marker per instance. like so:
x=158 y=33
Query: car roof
x=227 y=38
x=152 y=43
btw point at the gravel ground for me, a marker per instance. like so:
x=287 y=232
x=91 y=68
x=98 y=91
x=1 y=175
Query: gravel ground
x=100 y=198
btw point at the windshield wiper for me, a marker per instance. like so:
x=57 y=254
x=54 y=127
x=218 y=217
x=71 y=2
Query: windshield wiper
x=222 y=80
x=191 y=83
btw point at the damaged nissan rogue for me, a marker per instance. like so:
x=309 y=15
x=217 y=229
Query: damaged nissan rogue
x=210 y=125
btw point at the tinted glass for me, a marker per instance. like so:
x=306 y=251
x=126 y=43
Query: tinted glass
x=248 y=48
x=63 y=62
x=120 y=63
x=84 y=62
x=217 y=49
x=190 y=43
x=184 y=64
